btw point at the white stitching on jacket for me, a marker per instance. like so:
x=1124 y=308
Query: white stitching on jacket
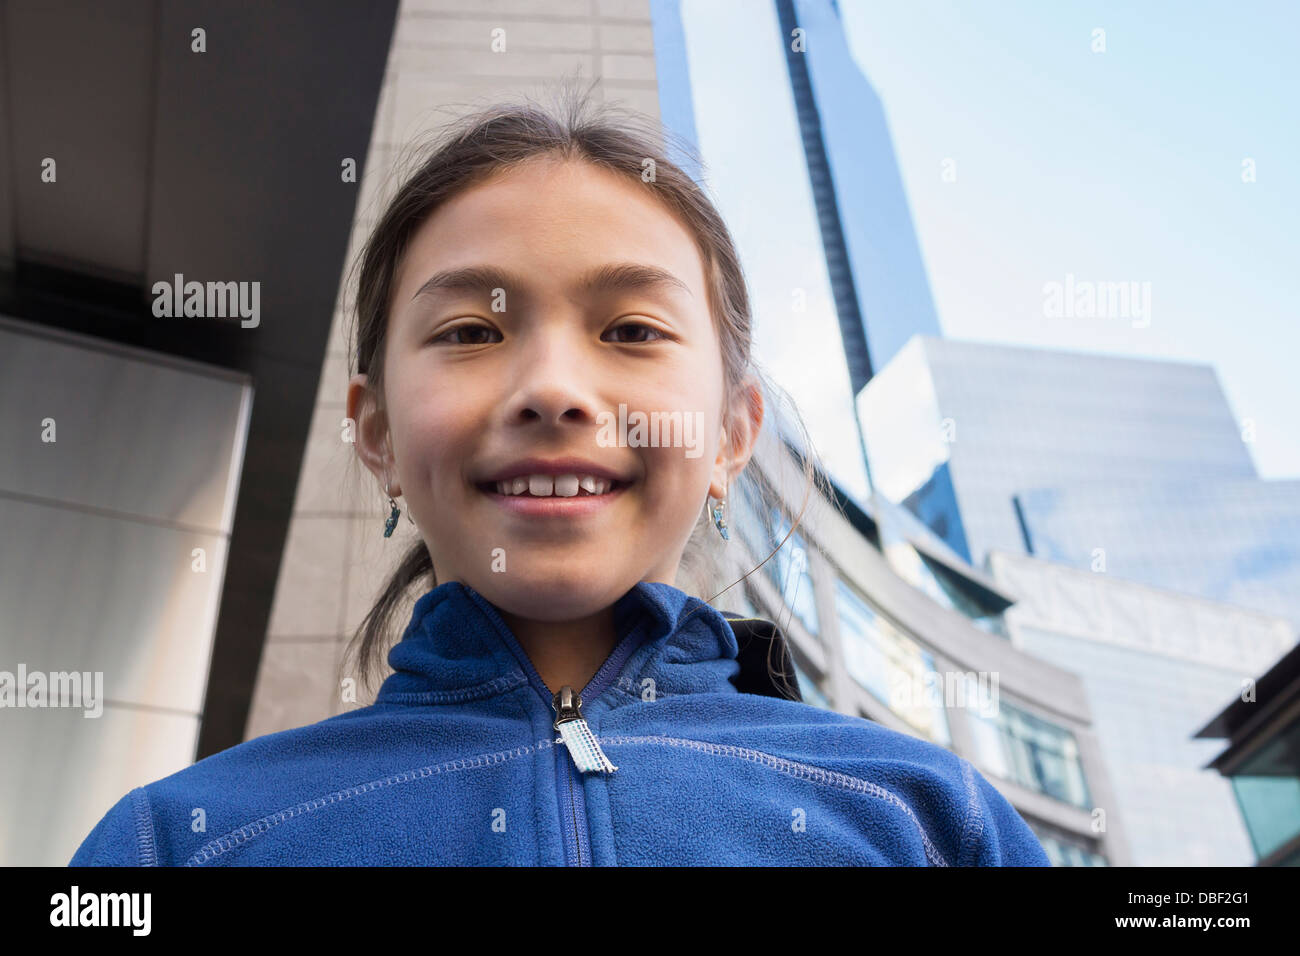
x=972 y=813
x=146 y=849
x=248 y=831
x=803 y=771
x=792 y=768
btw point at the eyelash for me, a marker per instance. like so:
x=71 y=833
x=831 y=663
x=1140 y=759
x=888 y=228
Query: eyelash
x=474 y=328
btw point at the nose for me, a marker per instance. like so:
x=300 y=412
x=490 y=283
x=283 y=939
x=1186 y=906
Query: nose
x=553 y=384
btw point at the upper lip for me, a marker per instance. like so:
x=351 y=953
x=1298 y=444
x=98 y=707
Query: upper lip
x=552 y=466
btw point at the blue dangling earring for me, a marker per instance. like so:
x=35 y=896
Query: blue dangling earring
x=720 y=520
x=391 y=522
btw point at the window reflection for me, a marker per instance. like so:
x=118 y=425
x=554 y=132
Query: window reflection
x=895 y=669
x=1017 y=746
x=789 y=572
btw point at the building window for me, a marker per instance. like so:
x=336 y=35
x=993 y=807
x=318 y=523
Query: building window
x=954 y=591
x=890 y=665
x=1267 y=786
x=1068 y=853
x=1016 y=745
x=788 y=570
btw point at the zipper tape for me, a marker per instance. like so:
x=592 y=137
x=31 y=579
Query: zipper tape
x=583 y=747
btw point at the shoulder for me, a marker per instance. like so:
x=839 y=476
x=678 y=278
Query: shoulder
x=123 y=837
x=957 y=814
x=229 y=788
x=931 y=784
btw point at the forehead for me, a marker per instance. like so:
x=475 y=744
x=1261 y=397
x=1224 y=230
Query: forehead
x=552 y=222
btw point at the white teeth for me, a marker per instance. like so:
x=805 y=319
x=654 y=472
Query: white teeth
x=561 y=486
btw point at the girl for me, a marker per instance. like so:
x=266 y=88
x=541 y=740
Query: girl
x=556 y=698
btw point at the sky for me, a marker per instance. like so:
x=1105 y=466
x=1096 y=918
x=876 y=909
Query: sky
x=1117 y=166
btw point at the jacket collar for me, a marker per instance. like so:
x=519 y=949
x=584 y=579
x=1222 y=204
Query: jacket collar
x=457 y=647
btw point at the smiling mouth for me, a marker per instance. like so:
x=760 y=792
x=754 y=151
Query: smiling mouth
x=552 y=487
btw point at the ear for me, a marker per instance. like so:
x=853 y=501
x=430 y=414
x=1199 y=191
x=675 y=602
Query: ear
x=371 y=432
x=740 y=432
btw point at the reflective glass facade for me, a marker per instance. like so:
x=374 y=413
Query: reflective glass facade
x=1066 y=853
x=1025 y=749
x=1236 y=541
x=888 y=663
x=958 y=429
x=789 y=572
x=797 y=155
x=1156 y=666
x=735 y=72
x=850 y=146
x=1267 y=786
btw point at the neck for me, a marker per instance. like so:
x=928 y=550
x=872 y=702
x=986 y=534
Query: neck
x=566 y=652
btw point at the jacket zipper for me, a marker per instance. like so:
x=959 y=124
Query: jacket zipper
x=585 y=756
x=568 y=778
x=578 y=738
x=566 y=771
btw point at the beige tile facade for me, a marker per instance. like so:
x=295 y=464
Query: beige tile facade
x=441 y=63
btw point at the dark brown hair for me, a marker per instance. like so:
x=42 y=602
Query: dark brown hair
x=489 y=140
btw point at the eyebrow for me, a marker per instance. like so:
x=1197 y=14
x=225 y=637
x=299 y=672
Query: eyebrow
x=613 y=277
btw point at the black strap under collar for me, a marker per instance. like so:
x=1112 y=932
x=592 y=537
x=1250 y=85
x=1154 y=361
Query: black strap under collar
x=766 y=666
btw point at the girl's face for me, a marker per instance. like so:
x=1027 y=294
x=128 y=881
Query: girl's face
x=526 y=311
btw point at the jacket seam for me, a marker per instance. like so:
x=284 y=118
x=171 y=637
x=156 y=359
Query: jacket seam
x=244 y=834
x=145 y=845
x=498 y=685
x=973 y=816
x=794 y=768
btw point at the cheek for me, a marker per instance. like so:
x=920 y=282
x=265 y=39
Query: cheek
x=688 y=467
x=433 y=431
x=676 y=477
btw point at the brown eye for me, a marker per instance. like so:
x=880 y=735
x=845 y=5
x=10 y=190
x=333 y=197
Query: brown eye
x=468 y=335
x=636 y=325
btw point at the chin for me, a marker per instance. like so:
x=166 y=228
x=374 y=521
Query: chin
x=550 y=596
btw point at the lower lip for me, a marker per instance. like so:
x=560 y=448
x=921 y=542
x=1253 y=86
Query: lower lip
x=575 y=506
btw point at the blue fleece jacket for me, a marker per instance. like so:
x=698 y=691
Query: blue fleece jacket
x=458 y=761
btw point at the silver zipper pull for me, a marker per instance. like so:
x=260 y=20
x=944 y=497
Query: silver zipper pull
x=578 y=738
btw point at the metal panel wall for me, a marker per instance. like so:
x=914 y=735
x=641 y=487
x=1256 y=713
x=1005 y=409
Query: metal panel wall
x=113 y=544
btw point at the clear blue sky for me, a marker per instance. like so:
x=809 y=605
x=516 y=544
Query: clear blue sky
x=1115 y=166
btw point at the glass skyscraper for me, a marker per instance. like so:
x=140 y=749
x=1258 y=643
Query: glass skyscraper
x=795 y=151
x=1131 y=467
x=798 y=157
x=881 y=289
x=1232 y=540
x=947 y=452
